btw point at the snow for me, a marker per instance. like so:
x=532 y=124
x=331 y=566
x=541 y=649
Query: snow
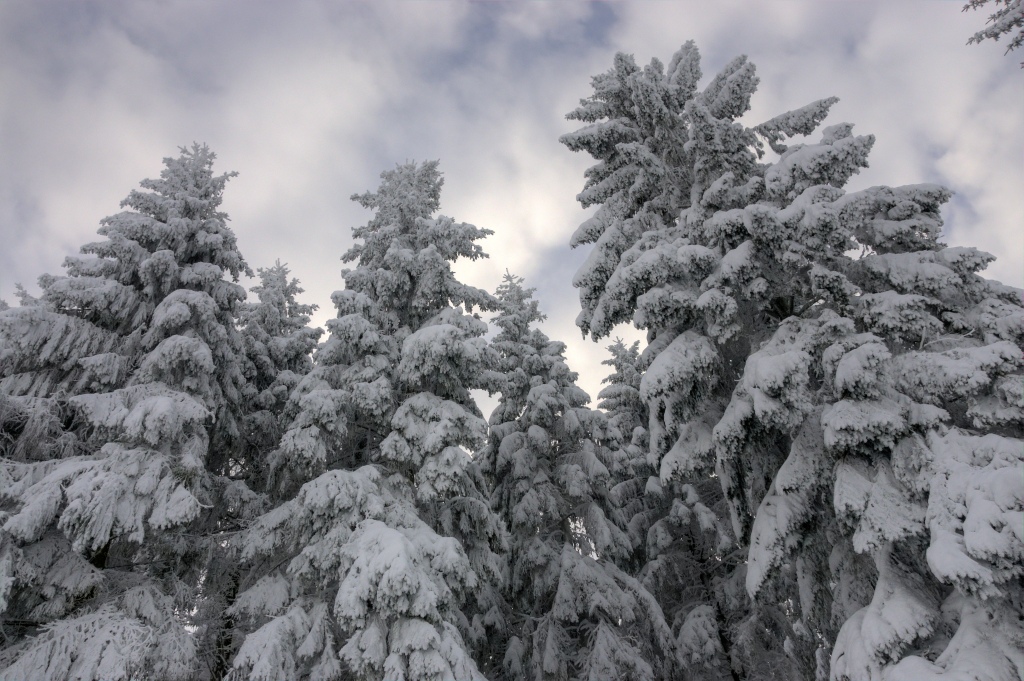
x=985 y=647
x=425 y=424
x=919 y=272
x=113 y=642
x=859 y=371
x=100 y=499
x=176 y=462
x=802 y=121
x=686 y=367
x=150 y=413
x=1002 y=21
x=838 y=156
x=698 y=637
x=873 y=502
x=896 y=315
x=36 y=338
x=266 y=654
x=692 y=450
x=786 y=504
x=850 y=425
x=959 y=373
x=976 y=543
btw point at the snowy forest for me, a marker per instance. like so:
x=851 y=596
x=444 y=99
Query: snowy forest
x=812 y=469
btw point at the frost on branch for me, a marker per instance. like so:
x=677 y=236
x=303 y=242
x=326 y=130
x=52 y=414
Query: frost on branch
x=126 y=384
x=380 y=557
x=814 y=380
x=575 y=612
x=1005 y=19
x=136 y=634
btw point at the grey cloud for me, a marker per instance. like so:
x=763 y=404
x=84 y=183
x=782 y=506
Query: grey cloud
x=309 y=101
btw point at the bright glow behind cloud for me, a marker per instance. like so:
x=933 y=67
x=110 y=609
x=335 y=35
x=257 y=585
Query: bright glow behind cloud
x=309 y=101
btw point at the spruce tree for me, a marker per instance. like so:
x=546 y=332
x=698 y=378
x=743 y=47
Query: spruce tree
x=123 y=390
x=279 y=344
x=830 y=360
x=575 y=612
x=633 y=489
x=380 y=560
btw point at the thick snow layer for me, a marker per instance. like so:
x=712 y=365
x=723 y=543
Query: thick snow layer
x=875 y=504
x=151 y=413
x=975 y=511
x=786 y=504
x=115 y=495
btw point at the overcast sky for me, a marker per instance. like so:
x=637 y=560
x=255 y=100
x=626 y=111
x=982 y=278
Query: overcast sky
x=310 y=101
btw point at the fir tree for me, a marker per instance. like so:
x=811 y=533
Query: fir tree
x=123 y=390
x=381 y=560
x=575 y=612
x=835 y=397
x=632 y=475
x=279 y=343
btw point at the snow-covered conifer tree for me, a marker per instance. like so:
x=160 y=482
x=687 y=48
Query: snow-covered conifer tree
x=382 y=558
x=575 y=612
x=279 y=343
x=849 y=405
x=625 y=407
x=678 y=540
x=123 y=390
x=640 y=130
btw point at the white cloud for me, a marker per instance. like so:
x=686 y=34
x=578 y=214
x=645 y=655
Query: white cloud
x=309 y=101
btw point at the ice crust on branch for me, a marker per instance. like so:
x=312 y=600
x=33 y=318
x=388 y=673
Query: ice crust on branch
x=127 y=383
x=830 y=394
x=379 y=558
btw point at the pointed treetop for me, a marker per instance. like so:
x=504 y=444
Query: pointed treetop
x=189 y=178
x=410 y=191
x=278 y=295
x=177 y=212
x=518 y=307
x=403 y=254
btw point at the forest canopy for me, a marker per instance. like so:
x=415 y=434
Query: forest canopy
x=810 y=468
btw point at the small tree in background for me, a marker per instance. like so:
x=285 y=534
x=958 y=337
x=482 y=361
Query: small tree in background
x=279 y=343
x=575 y=612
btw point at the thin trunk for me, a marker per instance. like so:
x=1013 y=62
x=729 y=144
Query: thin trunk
x=99 y=559
x=224 y=646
